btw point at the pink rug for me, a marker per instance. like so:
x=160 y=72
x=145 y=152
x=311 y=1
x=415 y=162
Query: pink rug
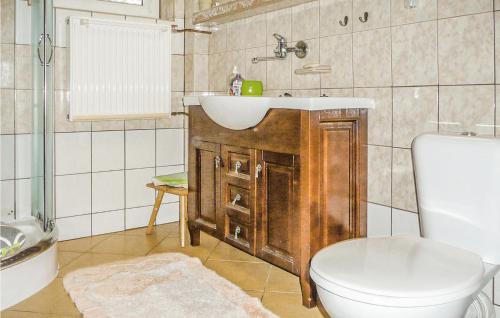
x=162 y=285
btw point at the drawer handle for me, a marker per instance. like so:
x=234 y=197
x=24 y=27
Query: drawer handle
x=237 y=198
x=258 y=170
x=237 y=167
x=217 y=161
x=237 y=231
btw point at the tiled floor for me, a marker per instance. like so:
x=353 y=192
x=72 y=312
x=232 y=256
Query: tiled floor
x=278 y=290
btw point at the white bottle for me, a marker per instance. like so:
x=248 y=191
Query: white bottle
x=235 y=83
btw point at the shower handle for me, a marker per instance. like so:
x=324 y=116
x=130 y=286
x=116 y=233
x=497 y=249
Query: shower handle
x=45 y=38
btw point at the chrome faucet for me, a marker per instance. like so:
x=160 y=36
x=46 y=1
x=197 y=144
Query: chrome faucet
x=282 y=49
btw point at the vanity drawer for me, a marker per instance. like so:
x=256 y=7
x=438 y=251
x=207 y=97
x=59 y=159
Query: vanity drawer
x=239 y=235
x=238 y=202
x=238 y=162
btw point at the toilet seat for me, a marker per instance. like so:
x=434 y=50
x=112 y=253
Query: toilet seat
x=400 y=271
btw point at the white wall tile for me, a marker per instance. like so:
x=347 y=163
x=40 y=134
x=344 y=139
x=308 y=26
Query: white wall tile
x=108 y=222
x=23 y=198
x=73 y=195
x=23 y=22
x=137 y=217
x=140 y=148
x=23 y=156
x=74 y=227
x=168 y=213
x=73 y=153
x=137 y=194
x=108 y=191
x=169 y=147
x=7 y=157
x=108 y=150
x=61 y=28
x=7 y=202
x=379 y=220
x=404 y=222
x=497 y=289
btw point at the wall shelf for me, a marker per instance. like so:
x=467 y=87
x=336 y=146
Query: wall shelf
x=240 y=9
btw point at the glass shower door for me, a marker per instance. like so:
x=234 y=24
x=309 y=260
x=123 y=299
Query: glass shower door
x=42 y=185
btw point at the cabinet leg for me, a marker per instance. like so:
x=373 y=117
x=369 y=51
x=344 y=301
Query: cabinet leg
x=194 y=234
x=308 y=291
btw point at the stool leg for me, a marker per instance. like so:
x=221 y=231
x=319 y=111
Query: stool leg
x=182 y=219
x=156 y=208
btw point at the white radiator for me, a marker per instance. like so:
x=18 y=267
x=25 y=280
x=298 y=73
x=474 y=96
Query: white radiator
x=119 y=69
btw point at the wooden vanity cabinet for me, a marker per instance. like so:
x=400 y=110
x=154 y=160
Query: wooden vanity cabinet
x=282 y=190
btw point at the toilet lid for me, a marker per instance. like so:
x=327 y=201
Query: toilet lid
x=415 y=270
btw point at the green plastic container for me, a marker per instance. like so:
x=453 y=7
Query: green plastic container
x=251 y=88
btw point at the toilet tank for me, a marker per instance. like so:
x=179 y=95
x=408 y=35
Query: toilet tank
x=458 y=191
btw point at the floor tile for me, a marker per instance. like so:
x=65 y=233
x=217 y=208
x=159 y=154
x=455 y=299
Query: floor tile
x=64 y=258
x=91 y=259
x=127 y=245
x=172 y=245
x=248 y=276
x=289 y=305
x=81 y=245
x=282 y=281
x=26 y=314
x=52 y=299
x=255 y=293
x=224 y=251
x=141 y=231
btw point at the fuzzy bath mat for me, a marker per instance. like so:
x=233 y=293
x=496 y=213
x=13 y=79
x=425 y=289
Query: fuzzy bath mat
x=162 y=285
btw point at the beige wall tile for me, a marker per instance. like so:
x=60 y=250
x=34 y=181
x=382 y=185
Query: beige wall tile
x=467 y=108
x=7 y=111
x=254 y=35
x=140 y=124
x=305 y=21
x=306 y=81
x=453 y=8
x=379 y=14
x=61 y=68
x=306 y=92
x=279 y=73
x=177 y=73
x=24 y=106
x=497 y=44
x=196 y=43
x=370 y=69
x=379 y=174
x=174 y=121
x=497 y=4
x=466 y=50
x=497 y=122
x=338 y=92
x=403 y=184
x=217 y=80
x=380 y=118
x=218 y=39
x=255 y=71
x=232 y=59
x=415 y=112
x=108 y=125
x=279 y=22
x=414 y=54
x=337 y=52
x=425 y=11
x=7 y=21
x=236 y=35
x=7 y=69
x=61 y=122
x=333 y=11
x=200 y=72
x=23 y=67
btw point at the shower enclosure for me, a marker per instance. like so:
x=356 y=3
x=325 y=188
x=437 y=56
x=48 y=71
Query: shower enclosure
x=28 y=259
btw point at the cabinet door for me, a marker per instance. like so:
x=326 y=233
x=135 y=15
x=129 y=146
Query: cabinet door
x=238 y=196
x=207 y=163
x=278 y=224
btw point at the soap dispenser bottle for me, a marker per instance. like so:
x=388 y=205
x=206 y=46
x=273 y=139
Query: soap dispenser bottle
x=235 y=83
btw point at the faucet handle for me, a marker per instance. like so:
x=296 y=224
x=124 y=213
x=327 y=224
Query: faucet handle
x=280 y=38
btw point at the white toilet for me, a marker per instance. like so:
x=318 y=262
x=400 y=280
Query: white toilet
x=442 y=274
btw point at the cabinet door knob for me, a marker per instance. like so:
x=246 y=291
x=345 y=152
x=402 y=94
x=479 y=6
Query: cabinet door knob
x=237 y=231
x=237 y=198
x=217 y=161
x=237 y=167
x=258 y=170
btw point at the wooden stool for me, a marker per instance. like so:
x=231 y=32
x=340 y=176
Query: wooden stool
x=182 y=193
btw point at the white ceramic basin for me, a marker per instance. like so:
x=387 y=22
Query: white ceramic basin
x=242 y=112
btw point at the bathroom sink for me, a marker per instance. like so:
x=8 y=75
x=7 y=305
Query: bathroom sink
x=242 y=112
